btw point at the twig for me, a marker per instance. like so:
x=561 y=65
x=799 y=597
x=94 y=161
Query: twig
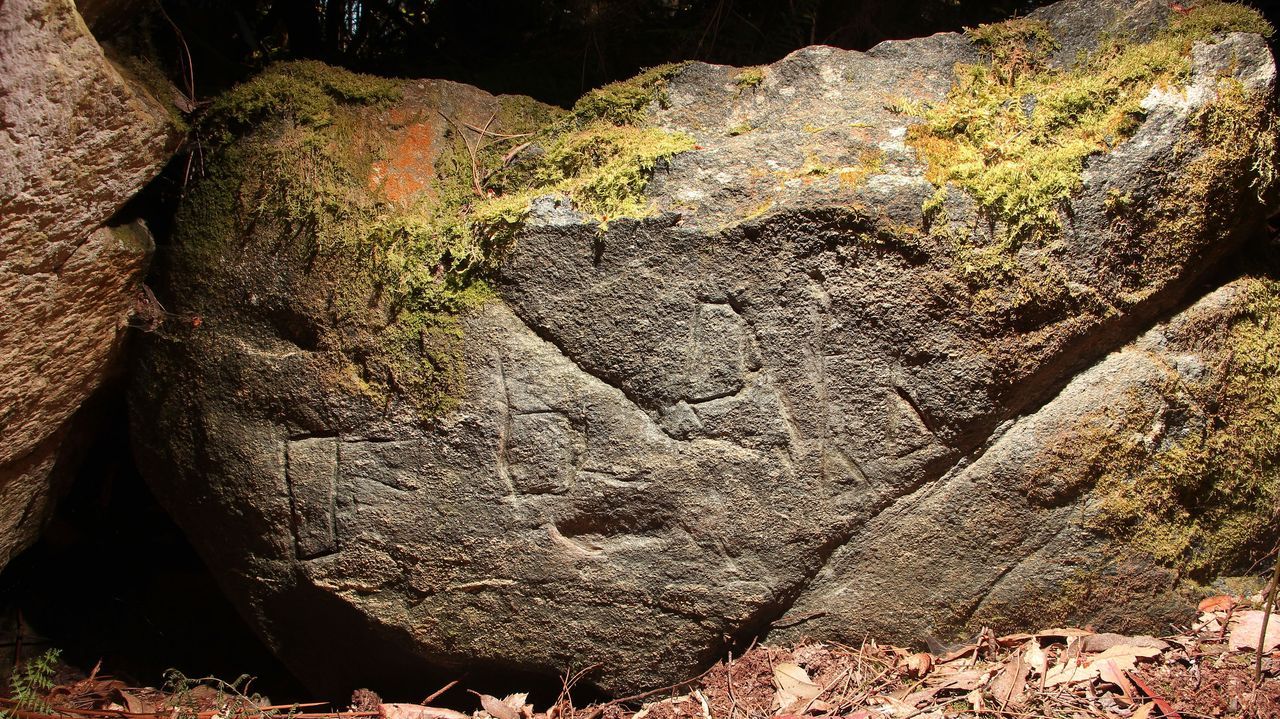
x=867 y=688
x=728 y=680
x=500 y=135
x=471 y=153
x=567 y=683
x=511 y=155
x=825 y=689
x=441 y=690
x=1270 y=605
x=598 y=711
x=782 y=623
x=1161 y=703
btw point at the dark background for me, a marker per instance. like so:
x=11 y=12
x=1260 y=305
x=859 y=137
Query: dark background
x=553 y=50
x=113 y=578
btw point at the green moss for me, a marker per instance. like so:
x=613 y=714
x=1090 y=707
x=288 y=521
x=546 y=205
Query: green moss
x=601 y=156
x=1208 y=500
x=133 y=237
x=1015 y=47
x=381 y=282
x=1015 y=131
x=1196 y=487
x=625 y=102
x=749 y=78
x=307 y=92
x=1216 y=18
x=1232 y=147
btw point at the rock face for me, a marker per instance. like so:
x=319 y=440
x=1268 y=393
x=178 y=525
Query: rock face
x=79 y=140
x=806 y=390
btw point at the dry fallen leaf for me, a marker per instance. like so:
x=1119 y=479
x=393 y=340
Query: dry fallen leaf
x=417 y=711
x=1064 y=632
x=1103 y=642
x=1110 y=671
x=1143 y=711
x=1036 y=659
x=1220 y=603
x=793 y=686
x=920 y=664
x=1208 y=623
x=961 y=681
x=924 y=695
x=137 y=704
x=959 y=653
x=976 y=701
x=497 y=708
x=1069 y=673
x=1129 y=653
x=1247 y=630
x=1009 y=685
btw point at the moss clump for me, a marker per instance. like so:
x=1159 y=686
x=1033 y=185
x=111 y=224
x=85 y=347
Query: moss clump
x=870 y=162
x=601 y=156
x=307 y=92
x=749 y=78
x=1015 y=131
x=625 y=102
x=1015 y=47
x=1195 y=487
x=377 y=281
x=1207 y=500
x=1232 y=146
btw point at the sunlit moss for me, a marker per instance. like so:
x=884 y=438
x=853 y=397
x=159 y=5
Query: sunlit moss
x=624 y=102
x=1015 y=131
x=287 y=189
x=870 y=162
x=748 y=78
x=1194 y=487
x=1207 y=500
x=308 y=92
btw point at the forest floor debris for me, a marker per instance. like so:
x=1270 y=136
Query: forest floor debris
x=1206 y=670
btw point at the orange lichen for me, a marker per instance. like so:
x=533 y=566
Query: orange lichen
x=408 y=171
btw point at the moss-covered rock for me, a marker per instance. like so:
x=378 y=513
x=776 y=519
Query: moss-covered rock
x=1017 y=130
x=494 y=386
x=379 y=212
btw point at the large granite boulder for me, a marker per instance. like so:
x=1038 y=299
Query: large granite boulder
x=461 y=381
x=79 y=140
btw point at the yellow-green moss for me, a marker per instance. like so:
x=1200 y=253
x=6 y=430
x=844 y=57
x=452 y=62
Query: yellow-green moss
x=1232 y=146
x=1208 y=500
x=288 y=187
x=625 y=102
x=307 y=92
x=870 y=162
x=1014 y=132
x=133 y=237
x=749 y=78
x=1194 y=488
